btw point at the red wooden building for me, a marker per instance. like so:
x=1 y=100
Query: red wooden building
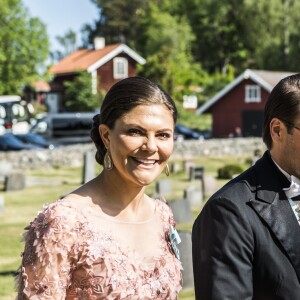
x=238 y=108
x=106 y=64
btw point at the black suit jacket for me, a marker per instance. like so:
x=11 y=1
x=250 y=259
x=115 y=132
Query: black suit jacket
x=246 y=240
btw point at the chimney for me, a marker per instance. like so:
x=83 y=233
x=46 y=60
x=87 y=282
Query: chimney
x=99 y=43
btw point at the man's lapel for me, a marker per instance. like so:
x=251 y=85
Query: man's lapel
x=272 y=206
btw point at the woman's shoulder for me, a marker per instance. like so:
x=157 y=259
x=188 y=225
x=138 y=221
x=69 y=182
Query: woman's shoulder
x=162 y=203
x=61 y=221
x=164 y=210
x=65 y=211
x=63 y=206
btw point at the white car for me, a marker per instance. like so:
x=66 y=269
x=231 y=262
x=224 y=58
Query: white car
x=15 y=115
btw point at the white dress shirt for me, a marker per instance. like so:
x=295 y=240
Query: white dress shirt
x=292 y=191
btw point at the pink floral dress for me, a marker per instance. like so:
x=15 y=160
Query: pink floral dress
x=76 y=252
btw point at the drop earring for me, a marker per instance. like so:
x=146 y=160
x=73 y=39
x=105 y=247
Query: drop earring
x=107 y=161
x=167 y=170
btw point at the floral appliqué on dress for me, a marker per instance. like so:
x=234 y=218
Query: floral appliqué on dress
x=67 y=257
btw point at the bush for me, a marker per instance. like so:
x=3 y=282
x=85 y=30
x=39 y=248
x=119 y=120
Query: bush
x=79 y=96
x=228 y=171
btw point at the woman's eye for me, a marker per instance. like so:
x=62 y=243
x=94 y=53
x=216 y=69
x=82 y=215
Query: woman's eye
x=134 y=132
x=164 y=135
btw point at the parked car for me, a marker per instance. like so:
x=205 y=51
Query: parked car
x=187 y=133
x=65 y=128
x=10 y=142
x=15 y=115
x=207 y=134
x=36 y=140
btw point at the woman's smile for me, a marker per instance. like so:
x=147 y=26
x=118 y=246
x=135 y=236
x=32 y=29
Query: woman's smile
x=148 y=163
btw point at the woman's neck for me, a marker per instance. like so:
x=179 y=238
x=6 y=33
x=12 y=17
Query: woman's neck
x=121 y=199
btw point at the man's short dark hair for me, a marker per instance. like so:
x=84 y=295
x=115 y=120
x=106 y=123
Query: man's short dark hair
x=284 y=104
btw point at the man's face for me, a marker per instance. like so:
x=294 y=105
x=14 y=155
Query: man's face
x=289 y=149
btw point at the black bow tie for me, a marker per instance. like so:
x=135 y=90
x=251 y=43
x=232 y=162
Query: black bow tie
x=296 y=198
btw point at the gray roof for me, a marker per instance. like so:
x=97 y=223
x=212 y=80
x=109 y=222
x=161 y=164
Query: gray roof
x=266 y=79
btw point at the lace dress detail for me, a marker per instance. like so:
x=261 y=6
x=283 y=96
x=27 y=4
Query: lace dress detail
x=71 y=252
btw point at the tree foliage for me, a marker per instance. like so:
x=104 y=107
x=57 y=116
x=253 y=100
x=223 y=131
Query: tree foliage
x=245 y=33
x=187 y=44
x=119 y=21
x=167 y=48
x=68 y=43
x=78 y=94
x=24 y=46
x=230 y=33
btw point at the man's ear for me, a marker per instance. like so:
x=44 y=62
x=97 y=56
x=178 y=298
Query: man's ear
x=276 y=129
x=104 y=132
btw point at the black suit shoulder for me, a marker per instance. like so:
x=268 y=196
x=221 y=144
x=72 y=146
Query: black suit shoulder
x=240 y=246
x=222 y=236
x=236 y=189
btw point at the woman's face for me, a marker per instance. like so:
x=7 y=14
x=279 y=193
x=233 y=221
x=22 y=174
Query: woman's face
x=141 y=143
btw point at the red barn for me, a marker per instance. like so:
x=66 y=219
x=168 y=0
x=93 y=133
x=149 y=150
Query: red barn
x=238 y=108
x=106 y=64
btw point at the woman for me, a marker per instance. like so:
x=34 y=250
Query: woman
x=108 y=239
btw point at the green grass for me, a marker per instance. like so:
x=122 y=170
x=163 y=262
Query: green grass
x=22 y=206
x=58 y=173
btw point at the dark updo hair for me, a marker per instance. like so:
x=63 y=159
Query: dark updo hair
x=121 y=99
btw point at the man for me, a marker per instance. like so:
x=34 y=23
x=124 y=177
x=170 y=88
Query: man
x=246 y=240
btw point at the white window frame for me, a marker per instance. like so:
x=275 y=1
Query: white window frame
x=252 y=93
x=123 y=63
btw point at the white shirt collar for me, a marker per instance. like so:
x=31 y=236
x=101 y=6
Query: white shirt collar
x=294 y=188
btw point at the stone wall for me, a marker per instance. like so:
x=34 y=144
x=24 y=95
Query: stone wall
x=72 y=155
x=218 y=147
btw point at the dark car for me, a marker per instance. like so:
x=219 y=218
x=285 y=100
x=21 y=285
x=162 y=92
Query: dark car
x=187 y=133
x=9 y=142
x=35 y=139
x=65 y=128
x=207 y=134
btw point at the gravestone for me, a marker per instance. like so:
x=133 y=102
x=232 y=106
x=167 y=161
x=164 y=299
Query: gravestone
x=211 y=185
x=5 y=168
x=89 y=172
x=164 y=187
x=181 y=210
x=1 y=204
x=2 y=178
x=194 y=196
x=187 y=164
x=185 y=250
x=197 y=173
x=175 y=167
x=14 y=182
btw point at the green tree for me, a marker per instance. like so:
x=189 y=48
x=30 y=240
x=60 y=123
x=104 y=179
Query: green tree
x=78 y=94
x=244 y=33
x=220 y=29
x=167 y=48
x=277 y=35
x=24 y=46
x=68 y=43
x=119 y=21
x=86 y=33
x=265 y=34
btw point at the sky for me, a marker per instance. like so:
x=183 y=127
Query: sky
x=62 y=15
